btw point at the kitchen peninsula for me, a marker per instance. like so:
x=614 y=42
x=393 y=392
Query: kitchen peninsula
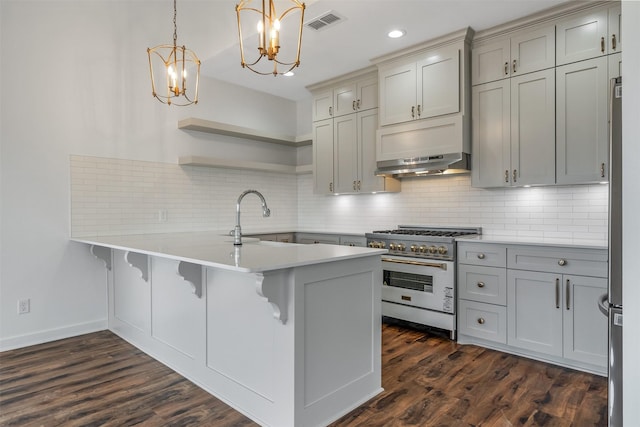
x=287 y=334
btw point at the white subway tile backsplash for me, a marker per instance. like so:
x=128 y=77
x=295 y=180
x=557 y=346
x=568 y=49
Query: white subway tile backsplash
x=114 y=196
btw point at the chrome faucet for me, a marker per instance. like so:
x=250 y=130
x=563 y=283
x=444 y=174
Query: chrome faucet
x=237 y=231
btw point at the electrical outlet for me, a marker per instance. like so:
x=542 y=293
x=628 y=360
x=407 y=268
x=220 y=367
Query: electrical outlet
x=24 y=306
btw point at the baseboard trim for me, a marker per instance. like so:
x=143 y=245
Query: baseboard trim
x=49 y=335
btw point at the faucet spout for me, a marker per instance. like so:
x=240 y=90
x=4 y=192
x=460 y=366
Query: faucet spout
x=237 y=231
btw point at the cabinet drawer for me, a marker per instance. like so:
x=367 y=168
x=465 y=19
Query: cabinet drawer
x=482 y=254
x=482 y=284
x=484 y=321
x=585 y=262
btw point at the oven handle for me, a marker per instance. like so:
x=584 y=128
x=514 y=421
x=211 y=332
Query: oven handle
x=419 y=263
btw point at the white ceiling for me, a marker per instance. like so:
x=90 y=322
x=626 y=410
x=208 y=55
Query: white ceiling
x=350 y=45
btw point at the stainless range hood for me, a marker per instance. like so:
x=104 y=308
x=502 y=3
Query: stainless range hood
x=443 y=164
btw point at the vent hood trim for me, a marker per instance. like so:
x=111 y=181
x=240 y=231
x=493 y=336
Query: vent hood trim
x=445 y=164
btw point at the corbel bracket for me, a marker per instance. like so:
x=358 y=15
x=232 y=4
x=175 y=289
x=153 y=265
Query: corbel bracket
x=192 y=274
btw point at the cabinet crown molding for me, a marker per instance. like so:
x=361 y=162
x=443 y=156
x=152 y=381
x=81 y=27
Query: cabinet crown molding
x=545 y=17
x=465 y=35
x=370 y=71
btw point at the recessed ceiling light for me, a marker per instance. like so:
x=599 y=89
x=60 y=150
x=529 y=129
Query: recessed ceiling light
x=289 y=74
x=394 y=34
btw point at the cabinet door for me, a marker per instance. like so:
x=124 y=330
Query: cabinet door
x=582 y=37
x=490 y=61
x=367 y=126
x=490 y=113
x=581 y=122
x=367 y=94
x=323 y=156
x=615 y=29
x=397 y=94
x=345 y=154
x=533 y=51
x=322 y=107
x=585 y=327
x=438 y=84
x=533 y=142
x=344 y=100
x=534 y=311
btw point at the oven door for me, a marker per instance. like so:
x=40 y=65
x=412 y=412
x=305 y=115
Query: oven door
x=423 y=283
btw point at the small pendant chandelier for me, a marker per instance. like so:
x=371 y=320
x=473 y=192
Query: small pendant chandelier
x=173 y=63
x=269 y=26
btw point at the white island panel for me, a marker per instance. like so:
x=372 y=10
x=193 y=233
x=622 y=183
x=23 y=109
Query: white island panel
x=287 y=334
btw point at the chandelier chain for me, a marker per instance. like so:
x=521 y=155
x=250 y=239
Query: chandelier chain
x=175 y=27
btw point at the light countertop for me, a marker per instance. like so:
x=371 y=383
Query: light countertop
x=215 y=250
x=533 y=241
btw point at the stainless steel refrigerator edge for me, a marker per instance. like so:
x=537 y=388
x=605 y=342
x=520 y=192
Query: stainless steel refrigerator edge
x=614 y=302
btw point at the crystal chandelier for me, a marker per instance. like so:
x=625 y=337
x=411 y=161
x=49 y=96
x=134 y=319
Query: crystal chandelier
x=172 y=61
x=269 y=26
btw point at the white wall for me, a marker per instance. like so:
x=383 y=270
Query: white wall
x=631 y=209
x=75 y=80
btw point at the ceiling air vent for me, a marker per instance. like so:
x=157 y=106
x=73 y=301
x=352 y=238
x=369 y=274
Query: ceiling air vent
x=327 y=19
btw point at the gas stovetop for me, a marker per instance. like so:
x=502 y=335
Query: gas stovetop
x=420 y=241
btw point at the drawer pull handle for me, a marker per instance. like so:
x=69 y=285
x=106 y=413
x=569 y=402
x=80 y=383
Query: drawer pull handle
x=481 y=284
x=506 y=68
x=562 y=262
x=557 y=293
x=568 y=294
x=405 y=298
x=602 y=170
x=480 y=256
x=481 y=321
x=602 y=44
x=413 y=111
x=514 y=65
x=613 y=42
x=506 y=176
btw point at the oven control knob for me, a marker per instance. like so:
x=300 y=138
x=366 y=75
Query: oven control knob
x=422 y=249
x=413 y=248
x=442 y=250
x=401 y=247
x=383 y=245
x=372 y=245
x=432 y=249
x=392 y=246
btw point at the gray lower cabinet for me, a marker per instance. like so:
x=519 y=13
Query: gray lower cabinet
x=535 y=301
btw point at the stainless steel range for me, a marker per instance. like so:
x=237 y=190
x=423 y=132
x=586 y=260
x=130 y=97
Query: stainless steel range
x=419 y=273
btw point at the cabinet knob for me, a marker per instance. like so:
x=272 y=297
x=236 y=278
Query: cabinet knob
x=481 y=321
x=481 y=256
x=481 y=284
x=562 y=262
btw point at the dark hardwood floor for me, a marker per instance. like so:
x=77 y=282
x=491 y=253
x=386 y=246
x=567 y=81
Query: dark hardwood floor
x=101 y=380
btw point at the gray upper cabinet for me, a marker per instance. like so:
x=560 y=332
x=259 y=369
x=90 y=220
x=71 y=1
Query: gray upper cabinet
x=323 y=156
x=581 y=122
x=420 y=87
x=355 y=96
x=582 y=37
x=522 y=53
x=513 y=128
x=615 y=29
x=322 y=105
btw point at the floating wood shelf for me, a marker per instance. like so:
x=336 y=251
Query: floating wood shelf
x=209 y=126
x=243 y=164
